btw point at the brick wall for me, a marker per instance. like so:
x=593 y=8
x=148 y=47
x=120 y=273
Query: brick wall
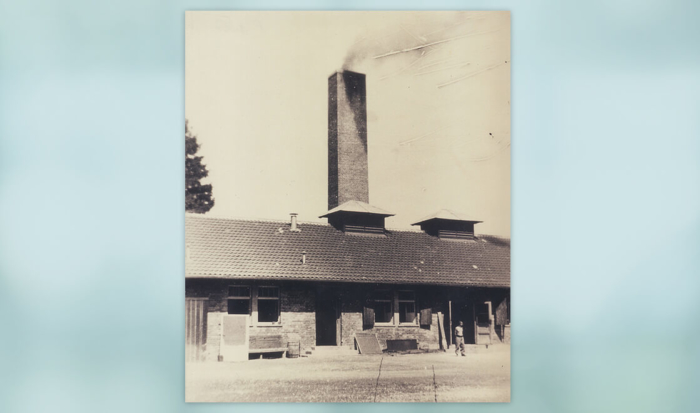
x=298 y=313
x=298 y=318
x=351 y=316
x=352 y=307
x=347 y=139
x=428 y=338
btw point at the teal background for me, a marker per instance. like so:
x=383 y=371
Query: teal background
x=605 y=205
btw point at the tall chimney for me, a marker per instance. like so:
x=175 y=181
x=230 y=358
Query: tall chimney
x=347 y=139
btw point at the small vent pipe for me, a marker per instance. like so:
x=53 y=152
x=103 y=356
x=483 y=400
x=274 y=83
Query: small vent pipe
x=294 y=227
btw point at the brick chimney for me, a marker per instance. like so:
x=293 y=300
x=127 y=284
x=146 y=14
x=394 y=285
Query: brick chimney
x=347 y=139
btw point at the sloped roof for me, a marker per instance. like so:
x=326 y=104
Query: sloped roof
x=357 y=206
x=239 y=249
x=449 y=215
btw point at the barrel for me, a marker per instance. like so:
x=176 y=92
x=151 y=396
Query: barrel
x=293 y=349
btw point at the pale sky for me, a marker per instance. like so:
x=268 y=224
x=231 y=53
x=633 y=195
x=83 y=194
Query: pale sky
x=438 y=116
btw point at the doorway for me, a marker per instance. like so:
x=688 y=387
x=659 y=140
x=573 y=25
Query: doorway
x=466 y=315
x=327 y=320
x=482 y=322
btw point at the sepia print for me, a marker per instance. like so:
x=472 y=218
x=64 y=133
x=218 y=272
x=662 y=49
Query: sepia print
x=347 y=206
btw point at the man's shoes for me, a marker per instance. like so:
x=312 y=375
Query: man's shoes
x=463 y=355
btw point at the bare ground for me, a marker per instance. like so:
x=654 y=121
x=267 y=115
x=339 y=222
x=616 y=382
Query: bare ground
x=483 y=375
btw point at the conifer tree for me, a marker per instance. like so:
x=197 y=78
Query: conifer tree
x=198 y=197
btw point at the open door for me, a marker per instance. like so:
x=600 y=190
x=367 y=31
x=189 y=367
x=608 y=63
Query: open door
x=466 y=315
x=482 y=323
x=327 y=321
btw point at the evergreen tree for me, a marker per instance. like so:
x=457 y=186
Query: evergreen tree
x=198 y=197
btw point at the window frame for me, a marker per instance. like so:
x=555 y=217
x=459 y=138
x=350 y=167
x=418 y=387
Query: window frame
x=390 y=300
x=398 y=308
x=257 y=321
x=230 y=297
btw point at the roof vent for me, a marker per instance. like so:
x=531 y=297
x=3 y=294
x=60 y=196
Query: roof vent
x=449 y=225
x=294 y=227
x=357 y=217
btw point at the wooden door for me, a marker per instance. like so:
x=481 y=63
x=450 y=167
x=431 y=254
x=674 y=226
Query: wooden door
x=235 y=340
x=482 y=323
x=195 y=328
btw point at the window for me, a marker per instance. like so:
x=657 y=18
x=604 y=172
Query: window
x=407 y=307
x=268 y=304
x=238 y=299
x=383 y=311
x=244 y=299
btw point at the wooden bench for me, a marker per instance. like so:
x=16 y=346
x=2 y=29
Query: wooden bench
x=267 y=344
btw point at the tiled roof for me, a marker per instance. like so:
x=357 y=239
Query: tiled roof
x=358 y=206
x=447 y=214
x=239 y=249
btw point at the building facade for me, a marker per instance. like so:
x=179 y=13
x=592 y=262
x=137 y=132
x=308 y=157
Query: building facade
x=323 y=284
x=319 y=285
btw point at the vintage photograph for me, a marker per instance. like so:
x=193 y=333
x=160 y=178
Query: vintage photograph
x=347 y=224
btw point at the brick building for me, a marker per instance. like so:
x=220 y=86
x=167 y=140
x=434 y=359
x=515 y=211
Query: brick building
x=320 y=284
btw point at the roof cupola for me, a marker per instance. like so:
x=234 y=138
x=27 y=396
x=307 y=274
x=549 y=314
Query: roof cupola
x=357 y=217
x=446 y=224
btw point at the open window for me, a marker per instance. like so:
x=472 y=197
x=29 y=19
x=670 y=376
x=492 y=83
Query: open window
x=239 y=299
x=392 y=308
x=407 y=307
x=383 y=308
x=268 y=304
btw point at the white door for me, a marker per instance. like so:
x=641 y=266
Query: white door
x=234 y=337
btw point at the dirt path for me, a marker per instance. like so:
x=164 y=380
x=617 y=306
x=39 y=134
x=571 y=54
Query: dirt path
x=479 y=377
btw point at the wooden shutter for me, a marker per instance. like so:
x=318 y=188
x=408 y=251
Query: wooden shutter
x=426 y=317
x=368 y=315
x=502 y=313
